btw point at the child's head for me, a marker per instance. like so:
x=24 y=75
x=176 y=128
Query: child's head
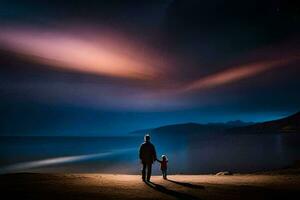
x=164 y=157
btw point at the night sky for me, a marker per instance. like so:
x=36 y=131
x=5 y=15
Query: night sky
x=110 y=67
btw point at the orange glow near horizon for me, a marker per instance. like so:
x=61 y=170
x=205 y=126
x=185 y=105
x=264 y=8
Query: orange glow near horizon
x=65 y=51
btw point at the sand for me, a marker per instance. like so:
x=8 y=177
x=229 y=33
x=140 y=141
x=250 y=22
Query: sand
x=109 y=186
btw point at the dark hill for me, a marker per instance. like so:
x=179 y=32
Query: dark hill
x=191 y=128
x=290 y=124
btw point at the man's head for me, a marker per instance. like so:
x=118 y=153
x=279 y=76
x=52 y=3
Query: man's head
x=147 y=138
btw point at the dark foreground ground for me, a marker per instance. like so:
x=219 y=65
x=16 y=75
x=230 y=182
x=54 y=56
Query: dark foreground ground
x=284 y=185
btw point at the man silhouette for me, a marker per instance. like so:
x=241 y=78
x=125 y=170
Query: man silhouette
x=147 y=155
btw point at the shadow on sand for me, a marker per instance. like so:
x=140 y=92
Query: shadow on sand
x=178 y=195
x=194 y=186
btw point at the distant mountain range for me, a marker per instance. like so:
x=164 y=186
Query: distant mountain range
x=193 y=128
x=289 y=124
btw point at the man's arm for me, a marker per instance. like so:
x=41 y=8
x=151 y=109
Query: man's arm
x=140 y=152
x=154 y=153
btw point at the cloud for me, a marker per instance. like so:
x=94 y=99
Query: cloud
x=100 y=53
x=147 y=81
x=236 y=73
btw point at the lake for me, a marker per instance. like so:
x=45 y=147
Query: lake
x=188 y=155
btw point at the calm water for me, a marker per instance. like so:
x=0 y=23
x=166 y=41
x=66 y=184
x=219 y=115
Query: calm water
x=191 y=155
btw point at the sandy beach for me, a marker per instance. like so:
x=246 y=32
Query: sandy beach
x=115 y=186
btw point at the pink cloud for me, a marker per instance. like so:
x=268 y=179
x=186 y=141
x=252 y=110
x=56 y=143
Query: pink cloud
x=97 y=55
x=236 y=73
x=153 y=85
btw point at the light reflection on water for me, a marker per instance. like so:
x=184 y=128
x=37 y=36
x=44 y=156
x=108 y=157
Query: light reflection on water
x=60 y=160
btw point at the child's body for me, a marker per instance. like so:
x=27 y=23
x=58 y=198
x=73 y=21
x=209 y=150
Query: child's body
x=164 y=166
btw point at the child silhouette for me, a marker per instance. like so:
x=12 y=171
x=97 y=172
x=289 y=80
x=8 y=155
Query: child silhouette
x=164 y=166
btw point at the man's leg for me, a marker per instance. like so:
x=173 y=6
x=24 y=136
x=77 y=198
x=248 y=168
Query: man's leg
x=144 y=171
x=149 y=170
